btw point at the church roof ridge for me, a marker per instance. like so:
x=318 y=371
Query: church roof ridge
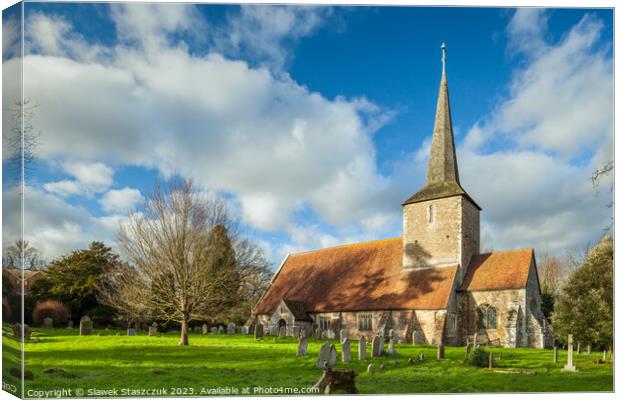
x=345 y=245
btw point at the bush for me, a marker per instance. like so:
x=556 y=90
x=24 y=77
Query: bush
x=57 y=311
x=6 y=309
x=478 y=357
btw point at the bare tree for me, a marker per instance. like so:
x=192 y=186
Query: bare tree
x=551 y=277
x=20 y=141
x=181 y=259
x=21 y=255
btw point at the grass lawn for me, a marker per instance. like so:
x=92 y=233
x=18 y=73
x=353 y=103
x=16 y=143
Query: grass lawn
x=211 y=361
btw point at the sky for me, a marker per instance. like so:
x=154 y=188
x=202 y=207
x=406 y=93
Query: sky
x=314 y=123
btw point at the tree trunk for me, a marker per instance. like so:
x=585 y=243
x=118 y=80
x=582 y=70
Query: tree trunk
x=184 y=332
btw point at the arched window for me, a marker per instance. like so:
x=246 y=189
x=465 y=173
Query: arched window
x=431 y=212
x=487 y=317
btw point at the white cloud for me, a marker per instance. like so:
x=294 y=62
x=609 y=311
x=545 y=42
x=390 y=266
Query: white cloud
x=89 y=178
x=121 y=200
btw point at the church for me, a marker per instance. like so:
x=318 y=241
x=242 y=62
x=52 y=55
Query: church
x=430 y=286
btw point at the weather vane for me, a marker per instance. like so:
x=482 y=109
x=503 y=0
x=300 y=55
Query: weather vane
x=443 y=57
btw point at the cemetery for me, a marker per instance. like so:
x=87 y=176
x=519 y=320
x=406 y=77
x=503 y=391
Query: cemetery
x=138 y=359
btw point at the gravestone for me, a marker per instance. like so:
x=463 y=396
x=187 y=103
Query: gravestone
x=282 y=331
x=245 y=330
x=499 y=356
x=47 y=322
x=131 y=332
x=440 y=351
x=346 y=350
x=331 y=334
x=214 y=329
x=391 y=348
x=324 y=354
x=605 y=355
x=415 y=337
x=318 y=333
x=70 y=324
x=197 y=329
x=490 y=360
x=370 y=369
x=258 y=331
x=230 y=329
x=421 y=357
x=391 y=333
x=476 y=340
x=302 y=346
x=333 y=356
x=377 y=347
x=153 y=330
x=361 y=348
x=467 y=349
x=569 y=364
x=86 y=326
x=17 y=331
x=589 y=349
x=578 y=348
x=221 y=330
x=344 y=334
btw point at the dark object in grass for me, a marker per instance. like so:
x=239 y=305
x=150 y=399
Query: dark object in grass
x=337 y=379
x=158 y=372
x=410 y=360
x=28 y=375
x=59 y=371
x=478 y=357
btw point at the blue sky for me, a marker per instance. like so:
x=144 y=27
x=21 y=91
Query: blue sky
x=315 y=122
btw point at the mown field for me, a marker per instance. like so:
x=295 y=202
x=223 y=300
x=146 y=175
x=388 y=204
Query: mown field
x=63 y=360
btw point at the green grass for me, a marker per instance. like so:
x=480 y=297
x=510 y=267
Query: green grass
x=110 y=361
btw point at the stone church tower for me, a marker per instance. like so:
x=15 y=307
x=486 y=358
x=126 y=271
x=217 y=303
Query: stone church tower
x=441 y=222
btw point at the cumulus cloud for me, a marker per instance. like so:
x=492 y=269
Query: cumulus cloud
x=120 y=200
x=89 y=178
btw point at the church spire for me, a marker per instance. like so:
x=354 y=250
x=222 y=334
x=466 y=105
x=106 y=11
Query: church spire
x=442 y=166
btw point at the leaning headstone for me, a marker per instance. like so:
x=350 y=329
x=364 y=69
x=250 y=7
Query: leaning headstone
x=370 y=369
x=391 y=348
x=323 y=355
x=302 y=346
x=70 y=324
x=47 y=322
x=440 y=351
x=333 y=356
x=220 y=330
x=415 y=337
x=131 y=332
x=346 y=351
x=258 y=331
x=376 y=348
x=361 y=348
x=282 y=331
x=86 y=326
x=214 y=329
x=344 y=334
x=230 y=329
x=245 y=330
x=205 y=329
x=555 y=354
x=569 y=364
x=153 y=330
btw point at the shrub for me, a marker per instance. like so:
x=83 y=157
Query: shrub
x=478 y=357
x=6 y=309
x=54 y=309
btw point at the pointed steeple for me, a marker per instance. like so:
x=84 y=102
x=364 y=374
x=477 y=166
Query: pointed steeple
x=442 y=178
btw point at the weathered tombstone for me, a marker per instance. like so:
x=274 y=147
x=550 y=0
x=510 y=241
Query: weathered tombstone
x=391 y=333
x=70 y=324
x=555 y=354
x=323 y=355
x=376 y=348
x=230 y=329
x=370 y=369
x=578 y=348
x=344 y=334
x=346 y=350
x=421 y=357
x=475 y=340
x=214 y=329
x=245 y=330
x=86 y=326
x=282 y=331
x=318 y=333
x=415 y=337
x=467 y=349
x=258 y=331
x=333 y=356
x=440 y=351
x=131 y=332
x=221 y=330
x=153 y=329
x=589 y=349
x=391 y=348
x=17 y=331
x=205 y=328
x=569 y=364
x=361 y=348
x=302 y=346
x=490 y=360
x=47 y=322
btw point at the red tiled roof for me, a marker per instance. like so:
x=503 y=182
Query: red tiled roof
x=357 y=277
x=498 y=270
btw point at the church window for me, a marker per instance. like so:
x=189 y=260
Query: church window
x=431 y=212
x=324 y=323
x=487 y=317
x=452 y=322
x=364 y=322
